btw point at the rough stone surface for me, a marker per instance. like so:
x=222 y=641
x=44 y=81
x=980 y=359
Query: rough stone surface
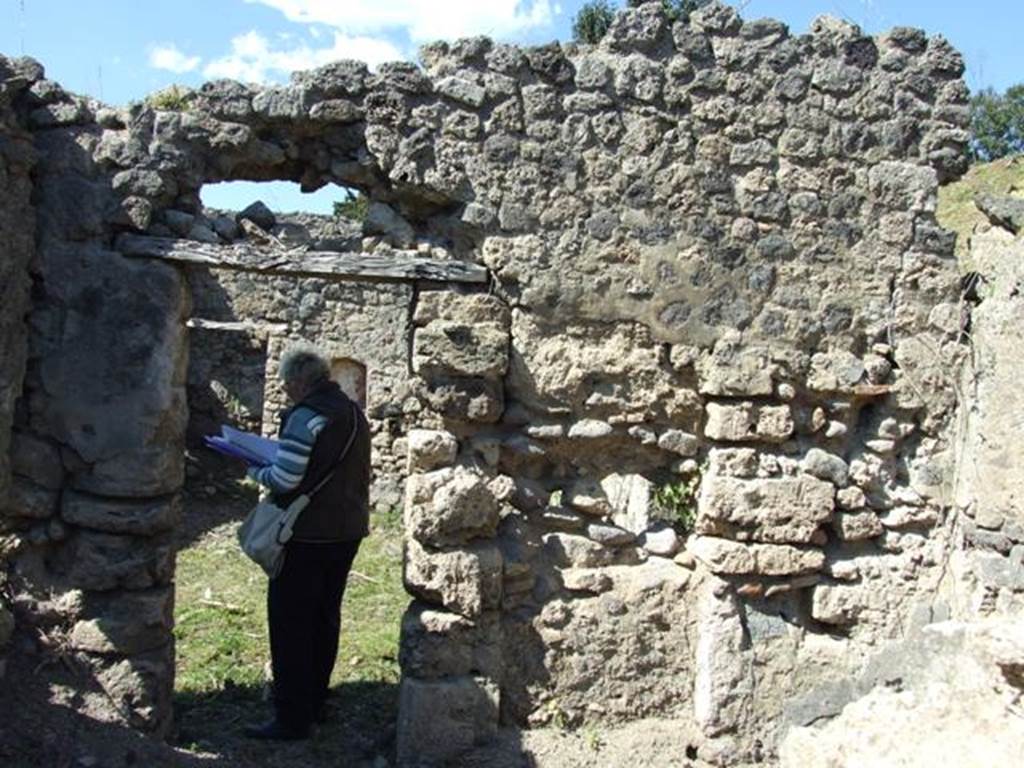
x=730 y=557
x=466 y=581
x=771 y=510
x=461 y=509
x=695 y=233
x=952 y=699
x=748 y=422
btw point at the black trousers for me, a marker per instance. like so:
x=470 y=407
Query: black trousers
x=304 y=615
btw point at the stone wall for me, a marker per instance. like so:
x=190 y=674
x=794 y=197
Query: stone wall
x=990 y=459
x=98 y=435
x=690 y=456
x=17 y=246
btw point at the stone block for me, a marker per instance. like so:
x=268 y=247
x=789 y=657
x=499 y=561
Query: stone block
x=135 y=517
x=904 y=186
x=460 y=509
x=630 y=499
x=734 y=370
x=590 y=429
x=36 y=459
x=825 y=465
x=837 y=371
x=446 y=348
x=732 y=558
x=98 y=561
x=586 y=495
x=722 y=678
x=142 y=685
x=440 y=720
x=777 y=510
x=569 y=550
x=836 y=603
x=745 y=422
x=459 y=308
x=466 y=581
x=858 y=525
x=127 y=623
x=430 y=449
x=112 y=368
x=436 y=644
x=466 y=399
x=30 y=500
x=660 y=540
x=609 y=535
x=677 y=441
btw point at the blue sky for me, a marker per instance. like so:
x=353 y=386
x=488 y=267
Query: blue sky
x=120 y=50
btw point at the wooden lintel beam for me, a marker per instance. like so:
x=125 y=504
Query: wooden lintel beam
x=385 y=266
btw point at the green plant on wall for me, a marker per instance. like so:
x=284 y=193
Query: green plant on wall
x=677 y=502
x=173 y=98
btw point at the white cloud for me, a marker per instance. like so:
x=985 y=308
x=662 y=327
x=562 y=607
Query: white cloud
x=252 y=59
x=171 y=58
x=423 y=20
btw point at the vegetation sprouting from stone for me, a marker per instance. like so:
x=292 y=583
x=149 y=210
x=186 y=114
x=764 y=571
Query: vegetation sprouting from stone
x=997 y=123
x=173 y=98
x=677 y=502
x=353 y=207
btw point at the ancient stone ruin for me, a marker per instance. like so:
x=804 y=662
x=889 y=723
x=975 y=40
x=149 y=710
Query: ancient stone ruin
x=694 y=269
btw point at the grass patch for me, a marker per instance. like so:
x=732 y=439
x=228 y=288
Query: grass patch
x=957 y=211
x=222 y=644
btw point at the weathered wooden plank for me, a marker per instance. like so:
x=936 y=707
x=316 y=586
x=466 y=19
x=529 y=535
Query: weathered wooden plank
x=236 y=326
x=387 y=265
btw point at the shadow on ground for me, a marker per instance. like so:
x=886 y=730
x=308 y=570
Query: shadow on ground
x=360 y=727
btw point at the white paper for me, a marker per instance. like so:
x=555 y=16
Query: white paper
x=262 y=448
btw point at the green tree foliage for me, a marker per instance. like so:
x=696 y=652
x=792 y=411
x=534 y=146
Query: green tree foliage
x=354 y=206
x=592 y=22
x=677 y=10
x=998 y=123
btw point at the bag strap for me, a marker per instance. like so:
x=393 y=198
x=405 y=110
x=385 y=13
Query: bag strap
x=341 y=456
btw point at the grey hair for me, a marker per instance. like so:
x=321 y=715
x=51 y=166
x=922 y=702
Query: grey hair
x=304 y=365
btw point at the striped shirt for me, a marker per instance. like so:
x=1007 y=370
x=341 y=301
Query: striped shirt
x=295 y=445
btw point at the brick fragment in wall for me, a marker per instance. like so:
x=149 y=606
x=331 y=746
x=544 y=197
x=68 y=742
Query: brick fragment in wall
x=775 y=510
x=742 y=422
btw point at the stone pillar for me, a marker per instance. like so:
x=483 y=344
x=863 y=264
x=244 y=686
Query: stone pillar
x=98 y=464
x=451 y=634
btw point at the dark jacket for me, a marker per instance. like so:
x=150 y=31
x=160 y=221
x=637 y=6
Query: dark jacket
x=340 y=510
